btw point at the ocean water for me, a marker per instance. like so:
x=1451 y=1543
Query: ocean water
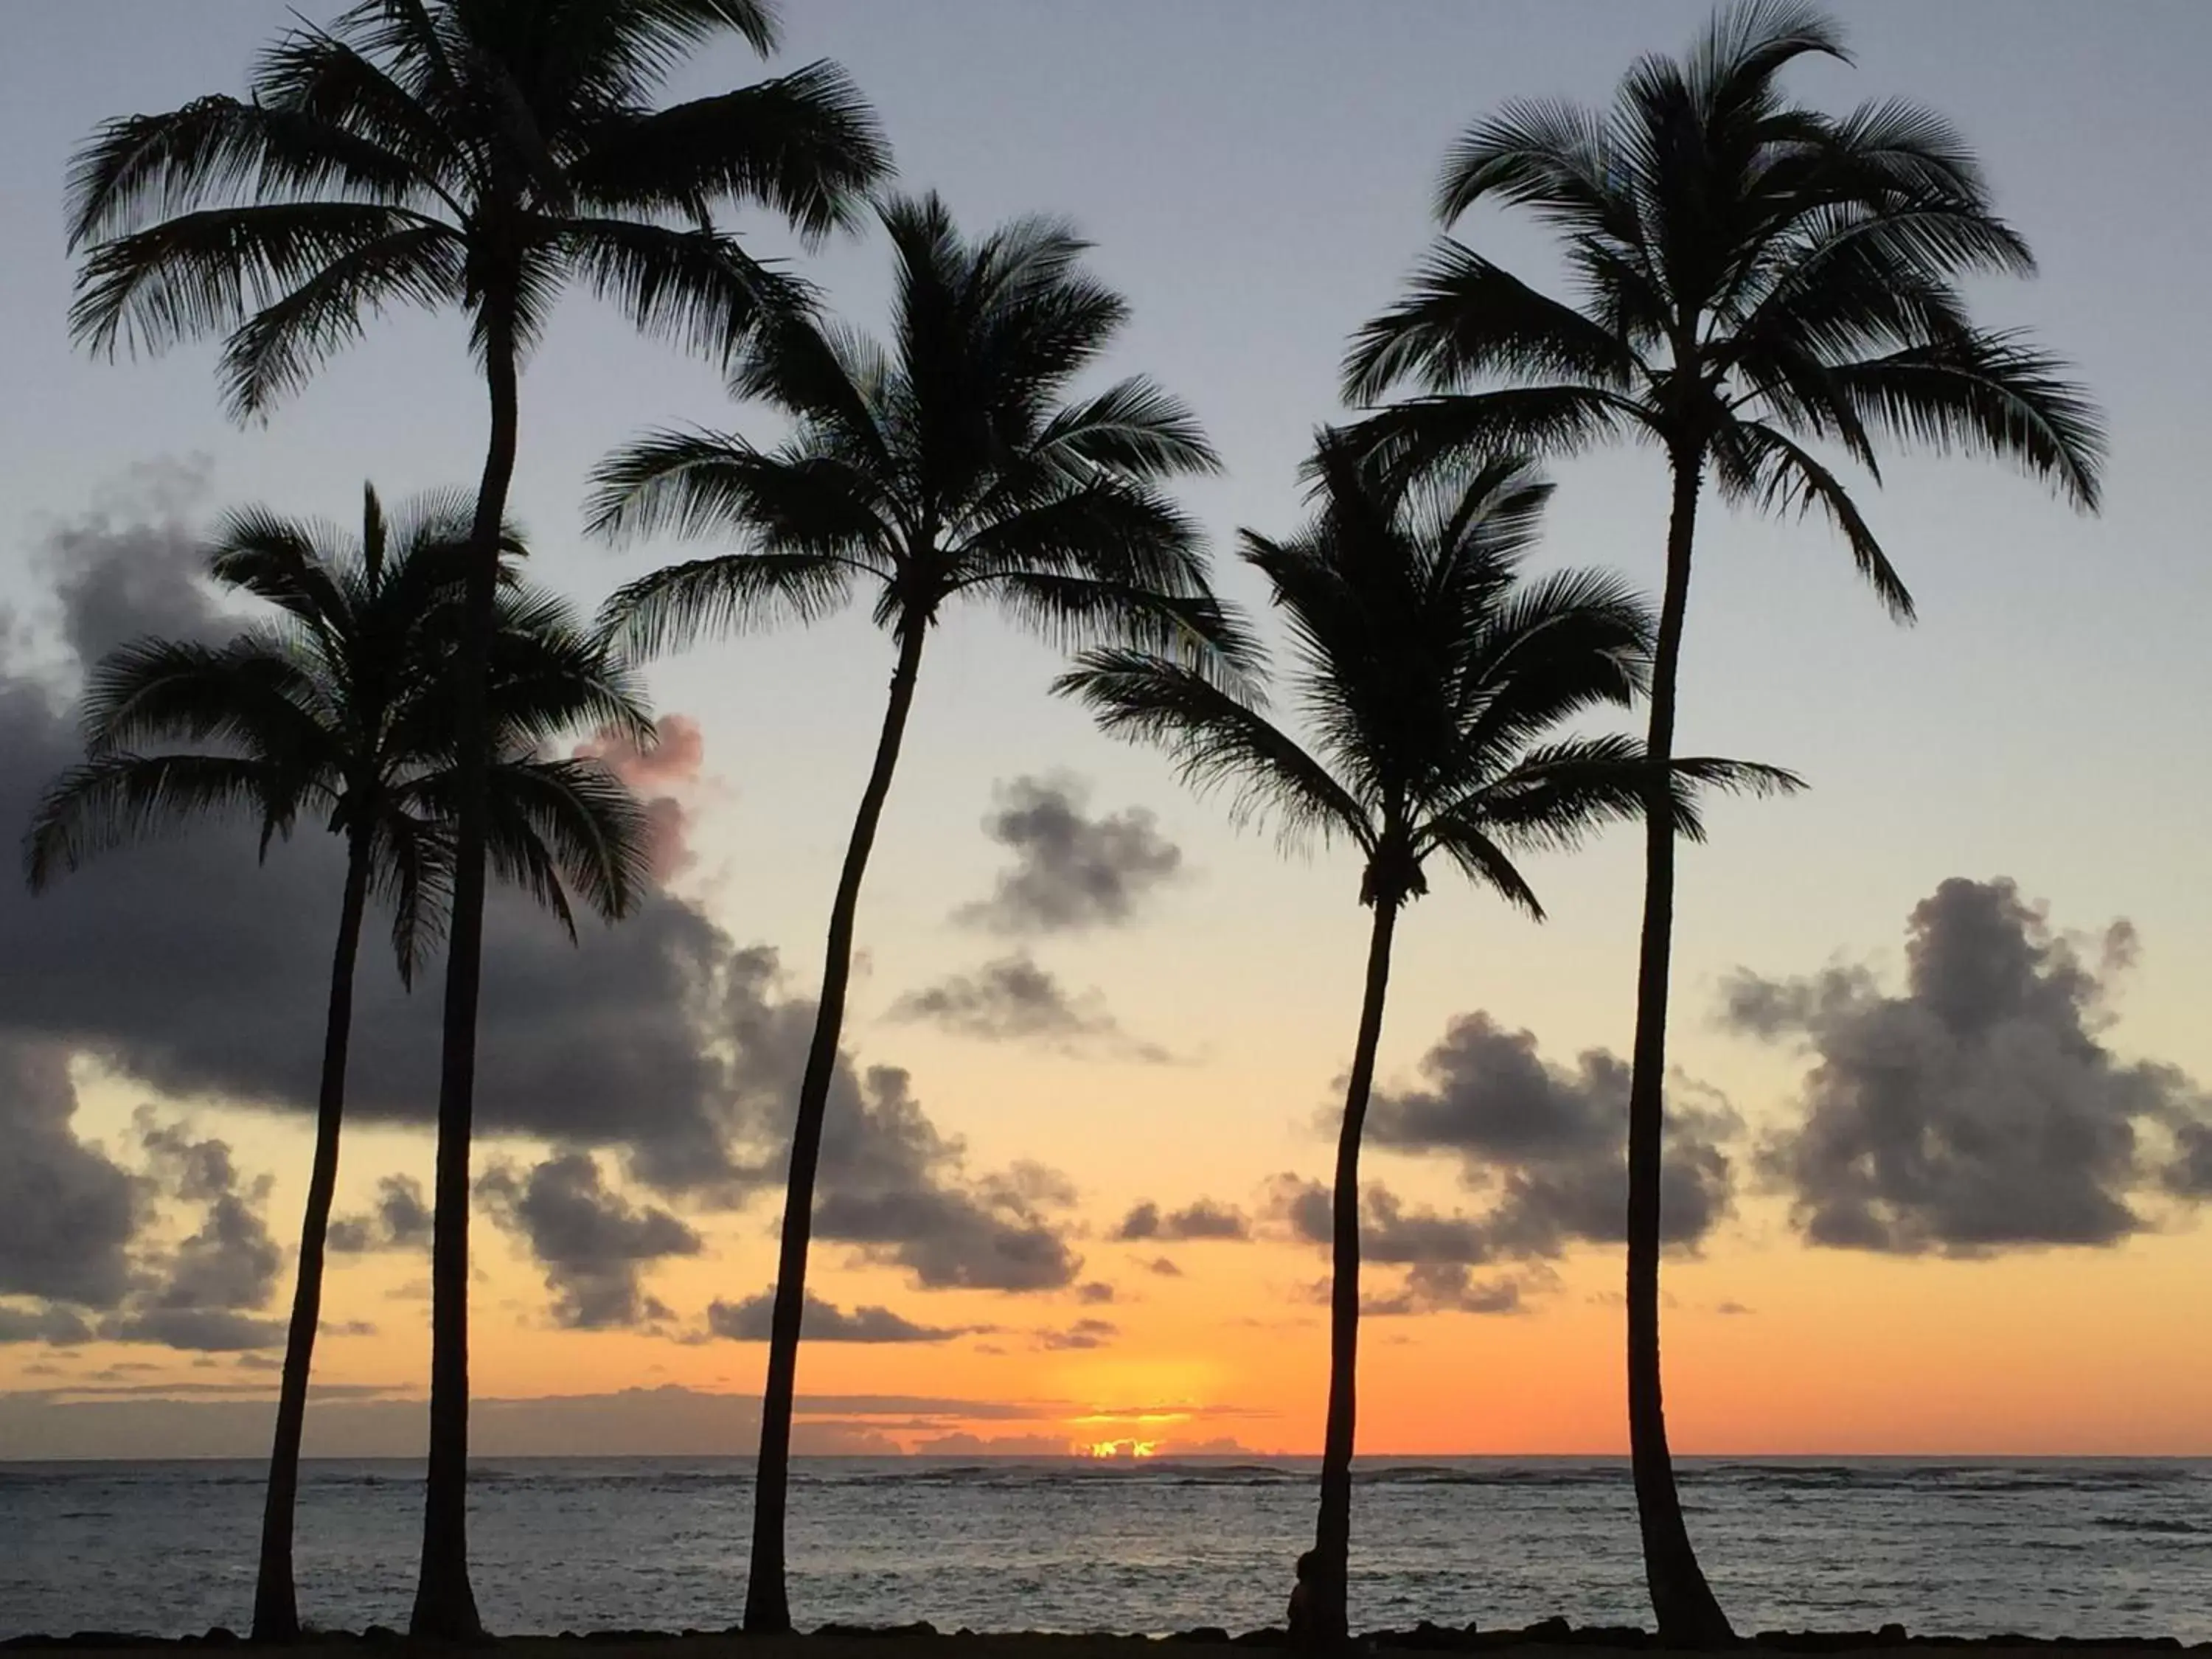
x=2040 y=1548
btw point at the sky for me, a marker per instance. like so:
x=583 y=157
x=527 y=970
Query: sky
x=1940 y=1150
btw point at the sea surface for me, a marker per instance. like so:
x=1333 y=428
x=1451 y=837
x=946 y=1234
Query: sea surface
x=2039 y=1547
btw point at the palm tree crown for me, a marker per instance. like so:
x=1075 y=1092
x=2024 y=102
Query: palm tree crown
x=948 y=465
x=1432 y=677
x=479 y=153
x=340 y=709
x=1751 y=276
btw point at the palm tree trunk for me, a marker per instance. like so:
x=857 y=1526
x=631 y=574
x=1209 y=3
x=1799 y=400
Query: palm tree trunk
x=444 y=1605
x=1683 y=1602
x=768 y=1603
x=1328 y=1583
x=276 y=1605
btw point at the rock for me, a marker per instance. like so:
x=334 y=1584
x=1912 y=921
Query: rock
x=1892 y=1635
x=1609 y=1635
x=1554 y=1629
x=386 y=1633
x=920 y=1627
x=1272 y=1638
x=1211 y=1634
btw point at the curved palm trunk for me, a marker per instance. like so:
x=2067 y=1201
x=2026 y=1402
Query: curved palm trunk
x=768 y=1603
x=1683 y=1602
x=276 y=1607
x=1328 y=1620
x=444 y=1605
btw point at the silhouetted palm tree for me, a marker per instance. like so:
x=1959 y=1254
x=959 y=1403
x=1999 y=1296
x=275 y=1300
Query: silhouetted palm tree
x=481 y=155
x=342 y=709
x=947 y=469
x=1433 y=679
x=1752 y=278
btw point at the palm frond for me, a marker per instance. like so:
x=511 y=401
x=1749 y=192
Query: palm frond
x=1464 y=317
x=1216 y=741
x=699 y=483
x=1991 y=392
x=697 y=288
x=1134 y=429
x=207 y=272
x=704 y=597
x=218 y=151
x=1758 y=464
x=805 y=144
x=118 y=798
x=277 y=349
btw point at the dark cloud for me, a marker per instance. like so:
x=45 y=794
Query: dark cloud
x=748 y=1321
x=2190 y=1175
x=1095 y=1293
x=1082 y=1334
x=1070 y=871
x=193 y=966
x=1014 y=999
x=593 y=1243
x=150 y=959
x=68 y=1213
x=1980 y=1111
x=207 y=1330
x=1204 y=1219
x=1163 y=1266
x=61 y=1326
x=1550 y=1142
x=1389 y=1233
x=897 y=1188
x=400 y=1221
x=1439 y=1287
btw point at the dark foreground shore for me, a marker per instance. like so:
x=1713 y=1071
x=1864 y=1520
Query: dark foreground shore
x=1542 y=1641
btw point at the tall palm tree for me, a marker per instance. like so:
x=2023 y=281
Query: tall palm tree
x=944 y=469
x=481 y=155
x=341 y=708
x=1434 y=679
x=1753 y=278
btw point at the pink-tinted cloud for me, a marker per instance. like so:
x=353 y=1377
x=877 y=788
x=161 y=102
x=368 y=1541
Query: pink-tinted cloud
x=663 y=777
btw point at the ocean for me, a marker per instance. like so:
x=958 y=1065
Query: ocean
x=2039 y=1547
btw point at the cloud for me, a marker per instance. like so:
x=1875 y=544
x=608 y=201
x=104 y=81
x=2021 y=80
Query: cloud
x=662 y=776
x=1549 y=1142
x=1082 y=1334
x=1163 y=1266
x=193 y=966
x=1012 y=1000
x=1980 y=1111
x=748 y=1321
x=593 y=1243
x=1439 y=1287
x=961 y=1444
x=1204 y=1219
x=68 y=1213
x=401 y=1220
x=1070 y=871
x=898 y=1190
x=59 y=1326
x=1096 y=1292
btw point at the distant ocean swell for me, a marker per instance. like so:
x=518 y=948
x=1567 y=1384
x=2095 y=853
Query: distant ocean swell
x=2043 y=1548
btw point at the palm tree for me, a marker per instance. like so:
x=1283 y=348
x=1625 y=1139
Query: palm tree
x=945 y=468
x=483 y=155
x=1753 y=278
x=341 y=708
x=1434 y=679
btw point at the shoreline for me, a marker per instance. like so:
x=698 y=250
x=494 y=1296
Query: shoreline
x=907 y=1641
